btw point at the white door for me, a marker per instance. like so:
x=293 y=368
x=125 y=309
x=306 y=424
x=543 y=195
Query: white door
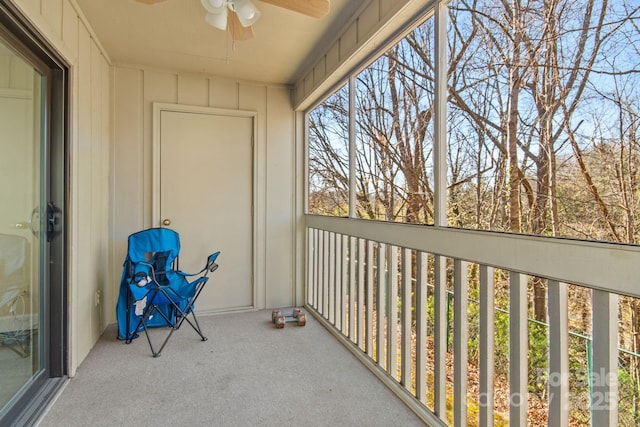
x=206 y=195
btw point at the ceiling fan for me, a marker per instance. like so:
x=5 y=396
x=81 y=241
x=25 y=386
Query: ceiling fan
x=239 y=15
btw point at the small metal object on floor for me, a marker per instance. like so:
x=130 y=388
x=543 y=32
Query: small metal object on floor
x=280 y=316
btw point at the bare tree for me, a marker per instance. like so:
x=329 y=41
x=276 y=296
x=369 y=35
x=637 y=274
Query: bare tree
x=329 y=156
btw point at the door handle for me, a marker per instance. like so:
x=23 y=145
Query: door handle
x=51 y=220
x=166 y=222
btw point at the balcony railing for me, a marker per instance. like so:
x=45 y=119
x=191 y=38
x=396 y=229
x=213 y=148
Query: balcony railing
x=384 y=289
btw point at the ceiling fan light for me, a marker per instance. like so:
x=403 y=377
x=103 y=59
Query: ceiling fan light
x=247 y=12
x=215 y=6
x=217 y=20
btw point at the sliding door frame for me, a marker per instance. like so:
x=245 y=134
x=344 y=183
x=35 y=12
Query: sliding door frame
x=27 y=406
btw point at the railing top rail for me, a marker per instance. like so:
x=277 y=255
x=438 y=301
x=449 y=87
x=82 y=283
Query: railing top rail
x=606 y=266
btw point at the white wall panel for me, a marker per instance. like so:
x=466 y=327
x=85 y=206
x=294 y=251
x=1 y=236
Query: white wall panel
x=128 y=156
x=98 y=196
x=371 y=26
x=108 y=296
x=135 y=92
x=158 y=86
x=320 y=70
x=307 y=83
x=332 y=58
x=368 y=21
x=30 y=7
x=128 y=187
x=388 y=7
x=95 y=201
x=349 y=41
x=52 y=12
x=299 y=90
x=83 y=302
x=223 y=94
x=280 y=200
x=55 y=20
x=5 y=64
x=253 y=97
x=193 y=90
x=70 y=29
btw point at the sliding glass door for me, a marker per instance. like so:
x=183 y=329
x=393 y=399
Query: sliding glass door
x=32 y=200
x=21 y=214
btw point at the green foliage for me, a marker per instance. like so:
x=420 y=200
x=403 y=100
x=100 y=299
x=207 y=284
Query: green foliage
x=629 y=392
x=501 y=343
x=579 y=380
x=538 y=359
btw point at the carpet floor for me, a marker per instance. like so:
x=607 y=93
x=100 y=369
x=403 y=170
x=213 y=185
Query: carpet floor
x=247 y=374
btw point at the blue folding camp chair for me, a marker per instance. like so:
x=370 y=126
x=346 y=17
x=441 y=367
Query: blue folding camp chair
x=154 y=294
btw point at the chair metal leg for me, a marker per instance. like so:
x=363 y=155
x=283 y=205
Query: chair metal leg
x=174 y=323
x=196 y=326
x=157 y=354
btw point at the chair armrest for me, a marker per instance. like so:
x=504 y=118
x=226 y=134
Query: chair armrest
x=211 y=261
x=210 y=266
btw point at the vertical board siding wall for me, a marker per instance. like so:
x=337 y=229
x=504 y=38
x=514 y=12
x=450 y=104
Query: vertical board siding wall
x=377 y=22
x=62 y=23
x=109 y=199
x=135 y=91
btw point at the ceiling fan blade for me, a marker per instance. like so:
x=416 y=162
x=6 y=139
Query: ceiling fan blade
x=149 y=1
x=313 y=8
x=238 y=32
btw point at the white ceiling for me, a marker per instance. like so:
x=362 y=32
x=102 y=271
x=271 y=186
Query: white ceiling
x=173 y=35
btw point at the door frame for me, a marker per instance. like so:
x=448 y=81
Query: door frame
x=258 y=272
x=33 y=399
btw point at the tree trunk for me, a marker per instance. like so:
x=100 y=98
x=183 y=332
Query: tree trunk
x=515 y=86
x=512 y=140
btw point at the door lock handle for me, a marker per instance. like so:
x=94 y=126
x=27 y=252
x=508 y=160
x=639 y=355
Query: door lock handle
x=51 y=220
x=166 y=222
